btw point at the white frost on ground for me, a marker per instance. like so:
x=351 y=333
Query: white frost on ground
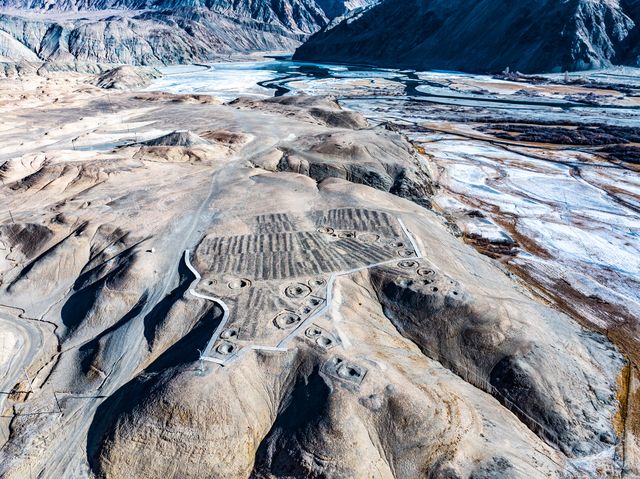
x=591 y=238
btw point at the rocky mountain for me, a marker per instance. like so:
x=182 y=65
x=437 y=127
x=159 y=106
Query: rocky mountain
x=299 y=16
x=12 y=49
x=149 y=32
x=484 y=35
x=147 y=38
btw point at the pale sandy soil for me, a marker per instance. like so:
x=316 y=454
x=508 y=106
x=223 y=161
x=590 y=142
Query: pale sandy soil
x=333 y=326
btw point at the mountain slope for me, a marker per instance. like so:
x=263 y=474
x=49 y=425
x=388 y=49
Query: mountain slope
x=11 y=49
x=150 y=38
x=484 y=35
x=151 y=32
x=630 y=53
x=303 y=15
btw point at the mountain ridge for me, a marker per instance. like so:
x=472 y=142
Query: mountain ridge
x=482 y=36
x=154 y=32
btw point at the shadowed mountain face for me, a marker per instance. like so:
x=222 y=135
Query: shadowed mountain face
x=485 y=35
x=337 y=8
x=630 y=54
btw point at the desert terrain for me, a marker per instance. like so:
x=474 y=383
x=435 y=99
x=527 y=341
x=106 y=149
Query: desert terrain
x=272 y=288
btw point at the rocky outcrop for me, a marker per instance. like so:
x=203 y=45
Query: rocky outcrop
x=325 y=111
x=291 y=11
x=378 y=158
x=11 y=69
x=177 y=138
x=483 y=36
x=126 y=78
x=483 y=343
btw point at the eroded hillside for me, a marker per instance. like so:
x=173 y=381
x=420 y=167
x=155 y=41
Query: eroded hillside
x=258 y=289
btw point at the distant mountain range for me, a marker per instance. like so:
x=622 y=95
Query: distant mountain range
x=485 y=35
x=149 y=32
x=299 y=16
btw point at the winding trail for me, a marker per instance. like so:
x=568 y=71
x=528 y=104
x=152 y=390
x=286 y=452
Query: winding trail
x=23 y=350
x=225 y=309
